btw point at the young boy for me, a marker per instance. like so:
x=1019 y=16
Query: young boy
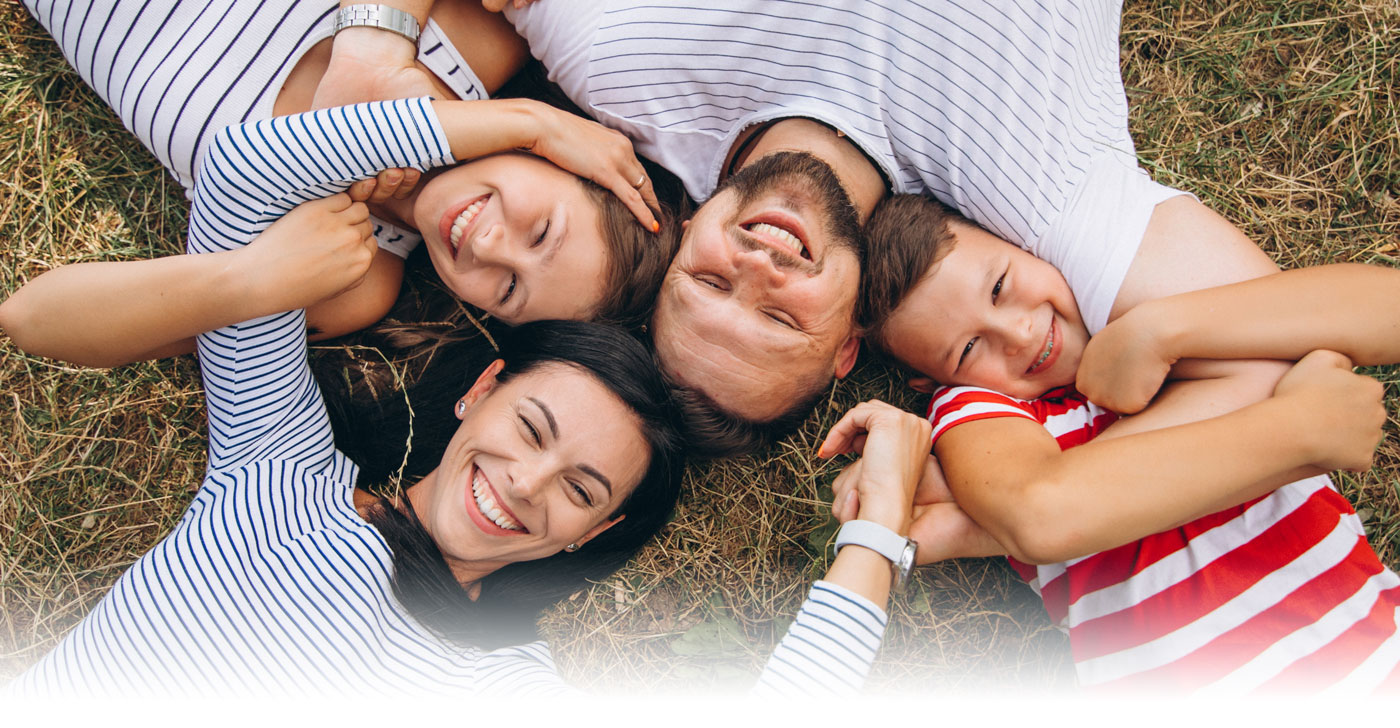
x=1233 y=575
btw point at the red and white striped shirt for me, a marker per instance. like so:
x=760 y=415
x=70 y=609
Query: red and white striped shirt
x=1280 y=593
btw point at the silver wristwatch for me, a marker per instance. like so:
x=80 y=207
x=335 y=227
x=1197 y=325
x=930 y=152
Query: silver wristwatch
x=378 y=16
x=898 y=549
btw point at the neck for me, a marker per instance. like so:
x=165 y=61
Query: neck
x=857 y=173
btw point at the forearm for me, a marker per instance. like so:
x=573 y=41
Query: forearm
x=1352 y=309
x=1108 y=492
x=476 y=129
x=109 y=314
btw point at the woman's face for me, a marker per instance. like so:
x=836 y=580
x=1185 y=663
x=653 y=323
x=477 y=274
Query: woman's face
x=538 y=463
x=516 y=236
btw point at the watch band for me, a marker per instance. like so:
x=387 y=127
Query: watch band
x=378 y=16
x=898 y=549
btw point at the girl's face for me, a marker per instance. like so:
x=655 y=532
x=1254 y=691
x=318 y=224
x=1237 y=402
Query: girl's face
x=990 y=315
x=538 y=463
x=515 y=236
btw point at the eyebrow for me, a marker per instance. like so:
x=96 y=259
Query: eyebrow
x=590 y=470
x=548 y=415
x=554 y=429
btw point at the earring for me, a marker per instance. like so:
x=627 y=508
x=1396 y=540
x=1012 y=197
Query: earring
x=461 y=407
x=571 y=547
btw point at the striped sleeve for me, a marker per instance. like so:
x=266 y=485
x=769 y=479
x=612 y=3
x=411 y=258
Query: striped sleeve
x=257 y=172
x=263 y=402
x=953 y=406
x=829 y=647
x=524 y=670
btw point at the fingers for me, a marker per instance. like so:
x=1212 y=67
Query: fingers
x=845 y=501
x=639 y=199
x=847 y=435
x=361 y=191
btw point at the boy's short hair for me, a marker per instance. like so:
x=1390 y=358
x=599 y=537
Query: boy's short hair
x=906 y=237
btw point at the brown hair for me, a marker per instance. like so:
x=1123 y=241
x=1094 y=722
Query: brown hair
x=712 y=432
x=637 y=258
x=906 y=237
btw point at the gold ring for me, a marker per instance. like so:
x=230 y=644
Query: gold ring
x=640 y=180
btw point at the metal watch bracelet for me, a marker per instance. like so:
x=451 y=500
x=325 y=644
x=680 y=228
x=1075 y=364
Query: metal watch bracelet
x=378 y=16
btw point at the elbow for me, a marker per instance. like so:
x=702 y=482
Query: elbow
x=17 y=321
x=1046 y=527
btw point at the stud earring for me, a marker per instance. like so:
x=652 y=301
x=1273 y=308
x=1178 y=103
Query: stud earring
x=571 y=547
x=461 y=407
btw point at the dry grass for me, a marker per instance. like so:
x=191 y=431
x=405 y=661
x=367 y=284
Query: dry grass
x=1280 y=115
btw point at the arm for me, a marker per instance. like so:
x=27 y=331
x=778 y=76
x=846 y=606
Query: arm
x=833 y=641
x=113 y=313
x=1349 y=308
x=1046 y=505
x=263 y=403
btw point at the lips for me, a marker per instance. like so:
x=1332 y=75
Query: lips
x=781 y=231
x=1049 y=350
x=457 y=222
x=485 y=508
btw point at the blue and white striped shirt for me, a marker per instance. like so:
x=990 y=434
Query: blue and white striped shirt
x=271 y=583
x=178 y=71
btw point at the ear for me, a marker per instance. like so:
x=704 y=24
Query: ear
x=593 y=532
x=685 y=224
x=846 y=356
x=485 y=382
x=922 y=384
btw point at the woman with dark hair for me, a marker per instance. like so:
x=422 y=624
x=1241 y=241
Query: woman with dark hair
x=282 y=577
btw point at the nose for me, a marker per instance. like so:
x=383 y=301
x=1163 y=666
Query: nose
x=756 y=267
x=528 y=480
x=1016 y=330
x=493 y=247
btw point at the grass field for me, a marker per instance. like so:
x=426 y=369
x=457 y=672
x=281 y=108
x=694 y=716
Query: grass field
x=1281 y=115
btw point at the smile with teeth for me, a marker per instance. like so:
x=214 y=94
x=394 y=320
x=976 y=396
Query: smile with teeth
x=487 y=503
x=464 y=221
x=1049 y=347
x=787 y=239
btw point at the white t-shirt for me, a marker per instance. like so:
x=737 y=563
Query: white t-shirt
x=1012 y=112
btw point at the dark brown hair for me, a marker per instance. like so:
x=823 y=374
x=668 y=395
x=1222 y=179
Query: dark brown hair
x=906 y=238
x=637 y=258
x=712 y=432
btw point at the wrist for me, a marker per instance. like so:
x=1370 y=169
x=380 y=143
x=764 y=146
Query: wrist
x=374 y=45
x=1160 y=328
x=895 y=519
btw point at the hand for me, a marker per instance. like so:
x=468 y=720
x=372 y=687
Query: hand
x=1124 y=365
x=845 y=501
x=396 y=182
x=319 y=249
x=369 y=64
x=945 y=531
x=1343 y=411
x=593 y=151
x=893 y=445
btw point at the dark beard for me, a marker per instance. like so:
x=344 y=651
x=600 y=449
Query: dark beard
x=817 y=178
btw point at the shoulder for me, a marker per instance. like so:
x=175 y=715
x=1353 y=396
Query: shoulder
x=953 y=406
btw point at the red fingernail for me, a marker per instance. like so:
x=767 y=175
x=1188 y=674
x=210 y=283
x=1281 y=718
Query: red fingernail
x=655 y=226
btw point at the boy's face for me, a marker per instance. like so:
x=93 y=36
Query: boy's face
x=989 y=315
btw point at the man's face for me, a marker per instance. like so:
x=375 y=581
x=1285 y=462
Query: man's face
x=756 y=310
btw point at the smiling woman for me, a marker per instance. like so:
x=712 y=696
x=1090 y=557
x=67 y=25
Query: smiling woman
x=282 y=578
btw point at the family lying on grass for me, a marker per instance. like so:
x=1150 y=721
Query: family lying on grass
x=1195 y=545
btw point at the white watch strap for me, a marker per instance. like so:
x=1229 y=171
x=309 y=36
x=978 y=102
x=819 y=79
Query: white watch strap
x=378 y=16
x=873 y=536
